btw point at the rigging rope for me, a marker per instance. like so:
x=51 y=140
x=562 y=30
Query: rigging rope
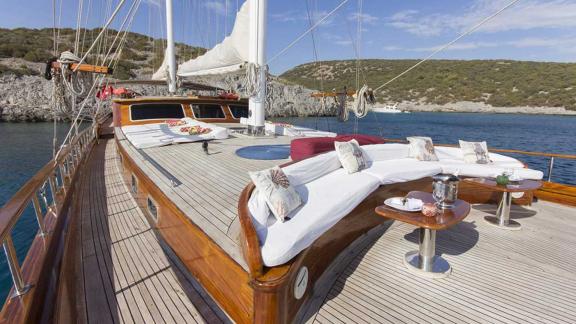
x=315 y=51
x=78 y=26
x=120 y=5
x=318 y=23
x=123 y=26
x=466 y=33
x=75 y=121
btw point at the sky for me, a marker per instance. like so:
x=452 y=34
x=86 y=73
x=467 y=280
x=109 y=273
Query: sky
x=536 y=30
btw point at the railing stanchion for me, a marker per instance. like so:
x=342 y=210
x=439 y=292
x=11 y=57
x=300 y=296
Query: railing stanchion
x=44 y=195
x=550 y=167
x=62 y=178
x=20 y=286
x=39 y=216
x=54 y=193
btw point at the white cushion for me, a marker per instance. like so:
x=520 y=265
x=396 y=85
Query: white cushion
x=326 y=201
x=448 y=153
x=279 y=194
x=422 y=148
x=312 y=168
x=384 y=152
x=351 y=156
x=259 y=211
x=402 y=170
x=160 y=134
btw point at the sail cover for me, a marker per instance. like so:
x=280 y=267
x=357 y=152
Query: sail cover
x=162 y=72
x=228 y=56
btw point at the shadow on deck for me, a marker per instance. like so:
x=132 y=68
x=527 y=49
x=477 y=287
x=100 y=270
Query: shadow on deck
x=498 y=276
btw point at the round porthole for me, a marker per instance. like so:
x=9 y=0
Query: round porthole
x=301 y=283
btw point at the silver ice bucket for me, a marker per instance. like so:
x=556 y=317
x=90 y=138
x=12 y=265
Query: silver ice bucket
x=445 y=190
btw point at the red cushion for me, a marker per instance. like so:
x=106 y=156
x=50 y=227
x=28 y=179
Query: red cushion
x=303 y=148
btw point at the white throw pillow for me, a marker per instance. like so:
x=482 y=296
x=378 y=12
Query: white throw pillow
x=422 y=148
x=350 y=155
x=475 y=152
x=278 y=193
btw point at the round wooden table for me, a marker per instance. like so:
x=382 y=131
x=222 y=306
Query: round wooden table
x=425 y=262
x=502 y=218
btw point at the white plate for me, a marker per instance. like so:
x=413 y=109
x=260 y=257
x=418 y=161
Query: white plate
x=388 y=202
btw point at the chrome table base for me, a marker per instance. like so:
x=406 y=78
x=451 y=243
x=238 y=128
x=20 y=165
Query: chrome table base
x=502 y=219
x=425 y=262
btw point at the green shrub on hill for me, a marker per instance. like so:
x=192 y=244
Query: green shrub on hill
x=502 y=83
x=36 y=45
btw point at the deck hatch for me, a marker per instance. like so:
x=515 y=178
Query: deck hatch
x=156 y=111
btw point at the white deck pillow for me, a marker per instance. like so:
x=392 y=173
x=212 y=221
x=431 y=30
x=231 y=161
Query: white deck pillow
x=422 y=148
x=475 y=152
x=351 y=156
x=277 y=190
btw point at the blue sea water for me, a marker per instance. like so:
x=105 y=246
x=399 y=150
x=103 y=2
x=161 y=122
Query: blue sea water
x=25 y=148
x=537 y=133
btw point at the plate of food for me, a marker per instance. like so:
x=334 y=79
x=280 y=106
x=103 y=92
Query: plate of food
x=404 y=204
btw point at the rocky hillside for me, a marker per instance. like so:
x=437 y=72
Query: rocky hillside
x=500 y=83
x=26 y=96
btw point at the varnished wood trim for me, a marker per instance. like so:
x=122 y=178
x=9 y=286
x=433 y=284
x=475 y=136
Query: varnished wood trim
x=250 y=242
x=85 y=68
x=122 y=110
x=558 y=193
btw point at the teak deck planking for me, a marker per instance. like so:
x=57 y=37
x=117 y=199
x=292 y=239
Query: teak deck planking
x=127 y=275
x=498 y=276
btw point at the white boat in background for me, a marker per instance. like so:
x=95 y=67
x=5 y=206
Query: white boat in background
x=389 y=109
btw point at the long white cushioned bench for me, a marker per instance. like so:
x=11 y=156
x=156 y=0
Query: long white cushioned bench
x=329 y=193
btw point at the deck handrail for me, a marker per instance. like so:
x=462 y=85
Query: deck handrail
x=56 y=177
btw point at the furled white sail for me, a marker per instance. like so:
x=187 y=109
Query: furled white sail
x=162 y=72
x=228 y=56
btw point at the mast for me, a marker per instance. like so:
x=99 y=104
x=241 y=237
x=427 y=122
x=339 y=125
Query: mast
x=257 y=56
x=170 y=52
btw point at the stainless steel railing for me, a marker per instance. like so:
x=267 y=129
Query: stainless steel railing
x=46 y=191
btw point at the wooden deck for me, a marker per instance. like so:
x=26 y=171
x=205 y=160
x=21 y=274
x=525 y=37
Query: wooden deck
x=126 y=274
x=498 y=276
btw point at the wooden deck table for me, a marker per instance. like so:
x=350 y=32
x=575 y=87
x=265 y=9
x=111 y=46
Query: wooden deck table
x=502 y=218
x=425 y=262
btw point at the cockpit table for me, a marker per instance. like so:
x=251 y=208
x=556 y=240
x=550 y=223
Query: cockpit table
x=502 y=218
x=425 y=262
